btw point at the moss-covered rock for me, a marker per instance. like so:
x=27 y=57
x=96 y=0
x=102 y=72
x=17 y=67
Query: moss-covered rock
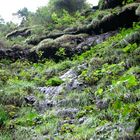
x=130 y=39
x=21 y=32
x=103 y=4
x=120 y=17
x=138 y=11
x=50 y=47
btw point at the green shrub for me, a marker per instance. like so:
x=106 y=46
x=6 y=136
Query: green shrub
x=55 y=81
x=66 y=20
x=3 y=116
x=67 y=128
x=128 y=1
x=4 y=76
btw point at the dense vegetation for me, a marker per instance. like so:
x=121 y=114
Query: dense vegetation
x=94 y=94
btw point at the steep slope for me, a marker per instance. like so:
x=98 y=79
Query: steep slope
x=91 y=94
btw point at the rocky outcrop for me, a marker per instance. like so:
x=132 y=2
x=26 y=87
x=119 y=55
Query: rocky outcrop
x=124 y=17
x=17 y=52
x=132 y=38
x=60 y=44
x=21 y=32
x=72 y=44
x=71 y=82
x=111 y=22
x=35 y=40
x=49 y=48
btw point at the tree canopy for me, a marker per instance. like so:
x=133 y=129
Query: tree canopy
x=43 y=15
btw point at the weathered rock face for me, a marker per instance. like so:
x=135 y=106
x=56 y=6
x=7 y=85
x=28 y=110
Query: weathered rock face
x=71 y=82
x=72 y=44
x=133 y=38
x=123 y=18
x=74 y=40
x=18 y=52
x=35 y=40
x=49 y=47
x=21 y=32
x=94 y=40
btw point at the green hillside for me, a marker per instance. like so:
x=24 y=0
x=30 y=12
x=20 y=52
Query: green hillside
x=76 y=79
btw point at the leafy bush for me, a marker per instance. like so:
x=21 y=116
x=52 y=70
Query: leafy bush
x=55 y=81
x=128 y=1
x=4 y=76
x=66 y=20
x=3 y=116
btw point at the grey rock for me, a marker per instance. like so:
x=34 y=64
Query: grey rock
x=70 y=112
x=51 y=90
x=102 y=104
x=94 y=40
x=30 y=99
x=69 y=75
x=81 y=120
